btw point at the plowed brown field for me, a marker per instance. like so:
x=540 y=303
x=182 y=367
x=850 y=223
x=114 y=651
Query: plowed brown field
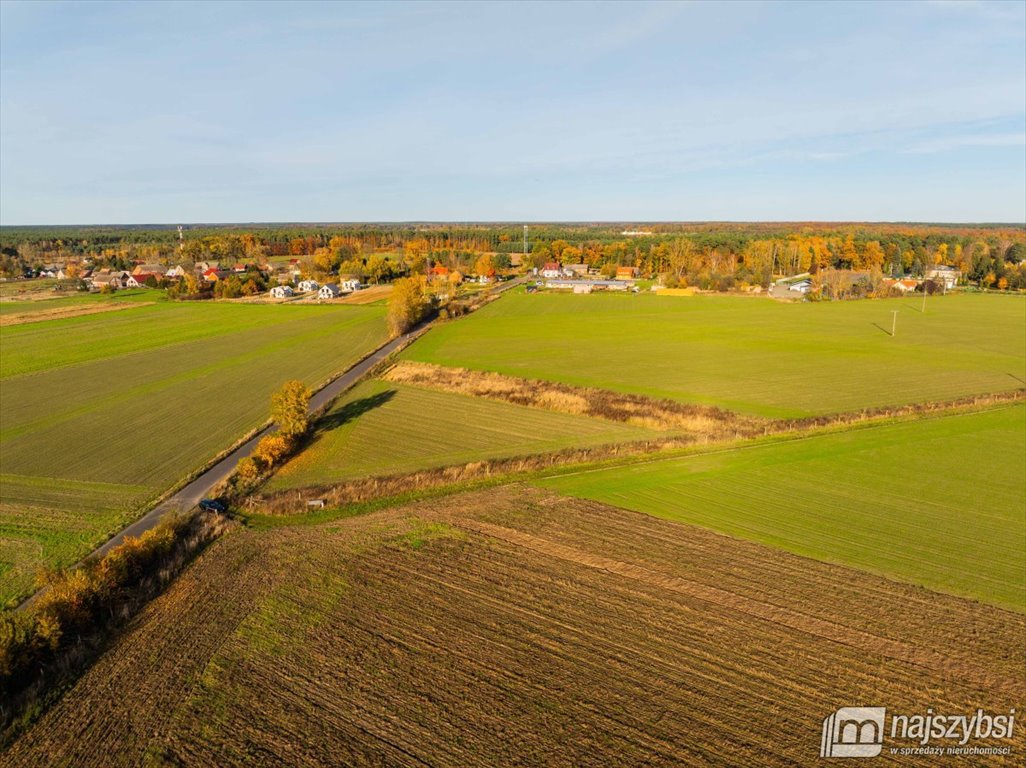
x=516 y=627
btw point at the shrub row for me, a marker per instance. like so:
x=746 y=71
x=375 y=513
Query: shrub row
x=45 y=642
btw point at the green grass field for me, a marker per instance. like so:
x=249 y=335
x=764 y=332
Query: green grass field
x=937 y=502
x=384 y=428
x=746 y=354
x=22 y=306
x=101 y=413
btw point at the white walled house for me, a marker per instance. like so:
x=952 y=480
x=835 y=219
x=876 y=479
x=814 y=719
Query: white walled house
x=329 y=291
x=309 y=285
x=281 y=292
x=349 y=286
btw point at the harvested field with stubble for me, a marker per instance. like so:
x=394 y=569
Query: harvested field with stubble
x=911 y=500
x=517 y=627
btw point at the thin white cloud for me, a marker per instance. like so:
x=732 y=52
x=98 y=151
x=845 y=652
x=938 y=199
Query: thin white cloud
x=950 y=143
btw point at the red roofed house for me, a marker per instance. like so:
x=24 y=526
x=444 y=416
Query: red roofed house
x=138 y=280
x=552 y=269
x=626 y=273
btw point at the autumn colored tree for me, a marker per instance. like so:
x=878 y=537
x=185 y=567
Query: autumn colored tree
x=872 y=256
x=289 y=407
x=325 y=261
x=680 y=255
x=406 y=304
x=247 y=469
x=273 y=448
x=484 y=265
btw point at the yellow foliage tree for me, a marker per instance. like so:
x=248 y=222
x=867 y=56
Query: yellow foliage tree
x=484 y=265
x=289 y=407
x=272 y=449
x=406 y=304
x=873 y=255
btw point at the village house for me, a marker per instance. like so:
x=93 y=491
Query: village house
x=351 y=285
x=147 y=269
x=905 y=285
x=213 y=275
x=946 y=276
x=329 y=291
x=138 y=279
x=308 y=285
x=554 y=269
x=281 y=292
x=113 y=278
x=176 y=271
x=626 y=273
x=203 y=266
x=580 y=270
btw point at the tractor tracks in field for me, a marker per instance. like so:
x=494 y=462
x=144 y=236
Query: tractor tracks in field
x=784 y=617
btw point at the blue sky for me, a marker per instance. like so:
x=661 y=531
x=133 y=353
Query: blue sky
x=204 y=112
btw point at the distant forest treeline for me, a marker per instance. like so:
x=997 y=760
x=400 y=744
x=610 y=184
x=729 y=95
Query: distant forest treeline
x=708 y=255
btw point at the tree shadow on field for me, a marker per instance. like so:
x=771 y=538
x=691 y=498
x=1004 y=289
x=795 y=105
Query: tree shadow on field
x=354 y=410
x=885 y=330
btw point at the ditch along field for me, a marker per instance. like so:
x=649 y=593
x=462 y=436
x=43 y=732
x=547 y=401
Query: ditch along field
x=750 y=355
x=517 y=627
x=937 y=501
x=102 y=413
x=383 y=427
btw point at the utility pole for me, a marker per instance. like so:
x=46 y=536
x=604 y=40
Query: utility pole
x=894 y=321
x=181 y=240
x=525 y=243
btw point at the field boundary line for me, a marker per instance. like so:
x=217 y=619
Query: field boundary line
x=790 y=436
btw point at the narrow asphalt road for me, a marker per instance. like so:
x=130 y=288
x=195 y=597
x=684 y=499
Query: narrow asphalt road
x=189 y=496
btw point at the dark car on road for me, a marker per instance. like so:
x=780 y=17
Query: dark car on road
x=213 y=505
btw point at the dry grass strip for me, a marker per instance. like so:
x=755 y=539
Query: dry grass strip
x=293 y=502
x=580 y=401
x=60 y=313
